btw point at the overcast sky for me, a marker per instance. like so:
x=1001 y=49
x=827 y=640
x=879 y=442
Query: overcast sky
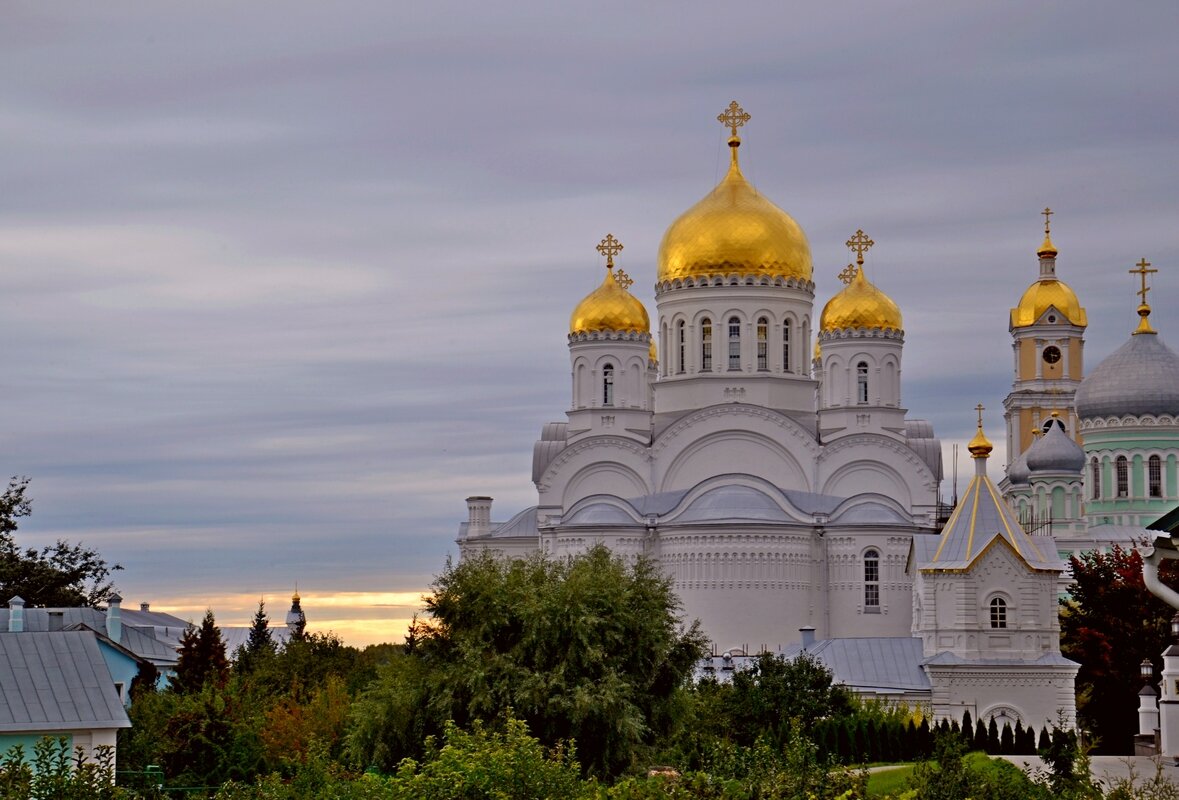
x=285 y=282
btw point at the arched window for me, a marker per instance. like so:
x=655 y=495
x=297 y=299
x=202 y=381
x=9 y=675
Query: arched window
x=608 y=385
x=872 y=580
x=706 y=345
x=1122 y=470
x=734 y=343
x=763 y=355
x=1095 y=476
x=786 y=346
x=862 y=382
x=1154 y=473
x=681 y=346
x=998 y=612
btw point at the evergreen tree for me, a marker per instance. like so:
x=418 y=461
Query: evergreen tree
x=980 y=736
x=259 y=645
x=1044 y=742
x=968 y=729
x=993 y=738
x=846 y=745
x=202 y=657
x=1017 y=738
x=924 y=739
x=1007 y=740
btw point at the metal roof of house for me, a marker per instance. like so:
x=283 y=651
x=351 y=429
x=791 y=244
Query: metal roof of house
x=52 y=681
x=140 y=641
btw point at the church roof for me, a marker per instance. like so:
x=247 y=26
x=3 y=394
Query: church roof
x=1055 y=451
x=884 y=664
x=982 y=519
x=1140 y=377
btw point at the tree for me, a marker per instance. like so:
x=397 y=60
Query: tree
x=588 y=649
x=259 y=644
x=58 y=575
x=774 y=687
x=1109 y=624
x=202 y=657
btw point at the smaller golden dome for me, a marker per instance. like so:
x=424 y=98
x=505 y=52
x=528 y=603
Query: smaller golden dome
x=980 y=446
x=652 y=354
x=860 y=305
x=609 y=308
x=1047 y=249
x=1045 y=293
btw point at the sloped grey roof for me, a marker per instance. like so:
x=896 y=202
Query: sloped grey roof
x=981 y=518
x=880 y=663
x=1140 y=377
x=599 y=514
x=733 y=503
x=52 y=681
x=139 y=639
x=1055 y=451
x=523 y=524
x=920 y=438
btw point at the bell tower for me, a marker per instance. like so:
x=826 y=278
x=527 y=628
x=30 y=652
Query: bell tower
x=1047 y=330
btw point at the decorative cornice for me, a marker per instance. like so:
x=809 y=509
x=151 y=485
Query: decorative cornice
x=610 y=336
x=828 y=336
x=1129 y=421
x=735 y=279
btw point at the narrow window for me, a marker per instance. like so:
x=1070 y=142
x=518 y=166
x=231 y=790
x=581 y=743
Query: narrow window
x=1155 y=474
x=734 y=343
x=998 y=612
x=872 y=579
x=786 y=346
x=1122 y=468
x=608 y=385
x=1095 y=469
x=681 y=342
x=763 y=356
x=706 y=345
x=862 y=382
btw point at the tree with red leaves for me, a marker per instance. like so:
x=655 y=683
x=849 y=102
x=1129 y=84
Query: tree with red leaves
x=1109 y=624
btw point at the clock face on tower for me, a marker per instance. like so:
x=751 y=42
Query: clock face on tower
x=1052 y=354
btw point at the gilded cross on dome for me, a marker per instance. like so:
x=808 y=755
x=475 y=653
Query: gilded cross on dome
x=733 y=117
x=610 y=247
x=624 y=280
x=859 y=245
x=848 y=274
x=979 y=408
x=1047 y=212
x=1143 y=271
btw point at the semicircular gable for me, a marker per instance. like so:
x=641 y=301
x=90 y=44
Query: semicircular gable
x=733 y=503
x=870 y=509
x=734 y=439
x=601 y=510
x=621 y=462
x=872 y=463
x=603 y=477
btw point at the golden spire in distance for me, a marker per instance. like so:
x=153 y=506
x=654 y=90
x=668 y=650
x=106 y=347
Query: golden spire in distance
x=1143 y=308
x=980 y=445
x=1047 y=249
x=610 y=247
x=859 y=244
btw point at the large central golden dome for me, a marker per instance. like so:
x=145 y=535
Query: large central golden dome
x=734 y=230
x=860 y=305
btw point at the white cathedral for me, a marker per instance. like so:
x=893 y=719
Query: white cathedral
x=766 y=462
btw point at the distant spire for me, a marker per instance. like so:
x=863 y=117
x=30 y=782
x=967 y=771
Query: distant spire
x=1047 y=249
x=980 y=446
x=1143 y=307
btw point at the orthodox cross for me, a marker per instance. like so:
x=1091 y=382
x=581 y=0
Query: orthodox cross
x=849 y=273
x=1143 y=271
x=733 y=117
x=1047 y=212
x=979 y=408
x=624 y=280
x=610 y=247
x=859 y=245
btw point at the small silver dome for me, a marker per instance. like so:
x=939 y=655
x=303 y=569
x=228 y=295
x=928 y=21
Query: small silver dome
x=1055 y=451
x=1018 y=472
x=1140 y=377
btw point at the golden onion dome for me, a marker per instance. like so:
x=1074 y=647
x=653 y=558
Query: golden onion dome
x=1047 y=249
x=734 y=229
x=860 y=305
x=980 y=446
x=609 y=308
x=1043 y=294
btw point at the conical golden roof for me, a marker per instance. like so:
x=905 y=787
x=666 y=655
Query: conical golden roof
x=860 y=305
x=734 y=229
x=609 y=308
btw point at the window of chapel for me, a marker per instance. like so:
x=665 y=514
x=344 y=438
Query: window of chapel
x=872 y=580
x=998 y=612
x=763 y=353
x=1095 y=477
x=681 y=345
x=608 y=385
x=862 y=383
x=786 y=346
